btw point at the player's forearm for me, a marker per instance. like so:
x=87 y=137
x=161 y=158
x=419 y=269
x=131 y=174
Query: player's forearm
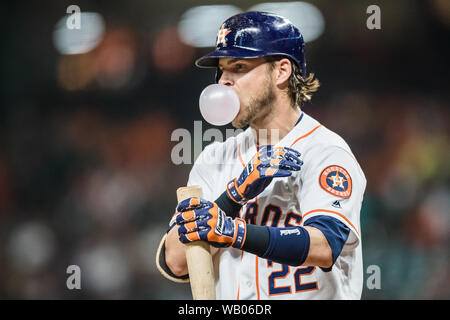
x=175 y=253
x=319 y=250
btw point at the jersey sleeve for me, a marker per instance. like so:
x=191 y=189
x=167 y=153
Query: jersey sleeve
x=333 y=185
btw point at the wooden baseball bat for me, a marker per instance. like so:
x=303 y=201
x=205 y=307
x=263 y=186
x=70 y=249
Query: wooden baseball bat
x=198 y=257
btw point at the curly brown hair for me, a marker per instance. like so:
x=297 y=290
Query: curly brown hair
x=300 y=88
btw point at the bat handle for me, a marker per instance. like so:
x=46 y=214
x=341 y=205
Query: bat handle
x=198 y=257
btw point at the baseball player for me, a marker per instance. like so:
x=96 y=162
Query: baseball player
x=282 y=199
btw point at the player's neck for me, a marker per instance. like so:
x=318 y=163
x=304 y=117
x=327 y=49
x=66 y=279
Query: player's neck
x=276 y=125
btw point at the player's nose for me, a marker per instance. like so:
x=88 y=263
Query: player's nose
x=226 y=79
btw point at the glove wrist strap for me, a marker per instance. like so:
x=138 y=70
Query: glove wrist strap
x=234 y=194
x=240 y=233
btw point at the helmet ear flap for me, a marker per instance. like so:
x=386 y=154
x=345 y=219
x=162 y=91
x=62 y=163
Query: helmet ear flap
x=218 y=75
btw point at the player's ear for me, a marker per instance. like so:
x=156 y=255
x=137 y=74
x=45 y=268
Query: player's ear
x=283 y=71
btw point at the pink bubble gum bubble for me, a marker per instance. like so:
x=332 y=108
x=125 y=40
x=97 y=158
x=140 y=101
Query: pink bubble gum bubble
x=219 y=104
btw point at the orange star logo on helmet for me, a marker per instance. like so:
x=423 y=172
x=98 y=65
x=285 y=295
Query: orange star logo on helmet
x=221 y=36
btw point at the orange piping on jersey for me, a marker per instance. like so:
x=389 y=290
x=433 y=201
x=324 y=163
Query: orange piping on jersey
x=257 y=279
x=240 y=157
x=304 y=136
x=239 y=285
x=339 y=214
x=257 y=267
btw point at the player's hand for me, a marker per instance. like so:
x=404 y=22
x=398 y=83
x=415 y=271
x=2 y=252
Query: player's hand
x=268 y=163
x=200 y=219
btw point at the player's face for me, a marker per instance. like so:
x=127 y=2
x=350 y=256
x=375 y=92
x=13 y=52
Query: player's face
x=252 y=81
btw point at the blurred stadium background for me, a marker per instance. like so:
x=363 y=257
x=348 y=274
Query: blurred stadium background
x=86 y=118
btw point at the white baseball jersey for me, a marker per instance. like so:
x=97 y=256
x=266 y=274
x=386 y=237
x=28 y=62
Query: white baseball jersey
x=330 y=183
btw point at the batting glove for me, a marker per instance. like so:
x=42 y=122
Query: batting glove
x=200 y=219
x=268 y=163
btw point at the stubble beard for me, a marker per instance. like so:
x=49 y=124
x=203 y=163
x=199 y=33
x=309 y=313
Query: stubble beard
x=257 y=108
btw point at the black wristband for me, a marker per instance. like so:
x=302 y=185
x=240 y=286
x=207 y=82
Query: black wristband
x=227 y=205
x=257 y=239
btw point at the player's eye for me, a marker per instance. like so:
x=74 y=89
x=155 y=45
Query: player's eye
x=238 y=67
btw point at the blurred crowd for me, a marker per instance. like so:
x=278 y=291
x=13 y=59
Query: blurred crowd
x=86 y=176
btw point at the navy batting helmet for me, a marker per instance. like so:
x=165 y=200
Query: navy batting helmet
x=256 y=34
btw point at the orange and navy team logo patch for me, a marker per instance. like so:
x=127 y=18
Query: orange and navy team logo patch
x=336 y=180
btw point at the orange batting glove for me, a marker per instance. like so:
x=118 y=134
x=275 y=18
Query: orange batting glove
x=268 y=163
x=200 y=219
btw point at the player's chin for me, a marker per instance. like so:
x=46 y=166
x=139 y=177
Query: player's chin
x=239 y=121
